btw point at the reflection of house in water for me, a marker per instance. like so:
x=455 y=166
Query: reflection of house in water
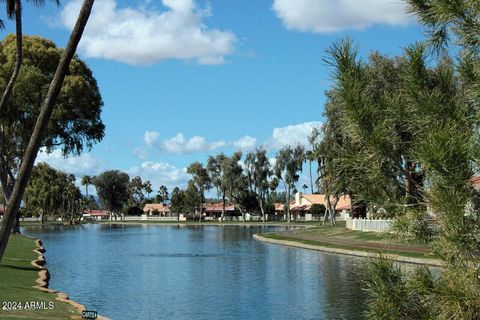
x=157 y=209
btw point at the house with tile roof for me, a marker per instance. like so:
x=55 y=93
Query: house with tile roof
x=213 y=210
x=160 y=209
x=303 y=203
x=95 y=215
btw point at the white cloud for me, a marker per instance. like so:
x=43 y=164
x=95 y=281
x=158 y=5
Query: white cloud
x=328 y=16
x=147 y=35
x=151 y=137
x=160 y=173
x=180 y=145
x=245 y=143
x=85 y=164
x=293 y=134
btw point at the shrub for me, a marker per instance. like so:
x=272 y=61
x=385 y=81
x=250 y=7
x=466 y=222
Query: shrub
x=414 y=225
x=317 y=209
x=133 y=211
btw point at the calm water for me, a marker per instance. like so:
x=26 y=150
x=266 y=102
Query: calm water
x=204 y=272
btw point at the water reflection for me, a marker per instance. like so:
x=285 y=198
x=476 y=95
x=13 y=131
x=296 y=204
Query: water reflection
x=198 y=272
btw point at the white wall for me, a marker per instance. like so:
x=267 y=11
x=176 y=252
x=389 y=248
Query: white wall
x=380 y=225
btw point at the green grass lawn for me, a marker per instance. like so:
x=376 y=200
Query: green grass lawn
x=340 y=231
x=329 y=236
x=17 y=278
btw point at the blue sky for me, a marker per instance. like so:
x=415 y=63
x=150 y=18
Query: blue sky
x=182 y=79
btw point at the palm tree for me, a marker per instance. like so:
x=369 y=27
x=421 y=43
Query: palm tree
x=86 y=181
x=41 y=125
x=162 y=195
x=147 y=186
x=309 y=156
x=260 y=172
x=304 y=187
x=287 y=166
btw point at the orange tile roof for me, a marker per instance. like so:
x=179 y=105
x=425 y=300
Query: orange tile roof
x=160 y=207
x=305 y=207
x=315 y=198
x=344 y=202
x=475 y=181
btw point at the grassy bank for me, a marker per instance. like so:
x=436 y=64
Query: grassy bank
x=17 y=280
x=339 y=237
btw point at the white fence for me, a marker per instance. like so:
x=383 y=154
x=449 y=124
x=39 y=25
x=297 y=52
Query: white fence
x=374 y=225
x=31 y=219
x=145 y=217
x=132 y=218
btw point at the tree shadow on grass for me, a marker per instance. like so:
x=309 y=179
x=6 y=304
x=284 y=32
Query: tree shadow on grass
x=29 y=268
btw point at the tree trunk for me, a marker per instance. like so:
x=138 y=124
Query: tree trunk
x=9 y=88
x=261 y=208
x=16 y=225
x=288 y=205
x=410 y=187
x=318 y=175
x=7 y=187
x=330 y=209
x=41 y=124
x=243 y=214
x=201 y=208
x=311 y=177
x=325 y=215
x=333 y=218
x=18 y=62
x=223 y=208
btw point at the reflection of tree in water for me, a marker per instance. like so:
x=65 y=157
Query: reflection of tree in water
x=342 y=278
x=242 y=233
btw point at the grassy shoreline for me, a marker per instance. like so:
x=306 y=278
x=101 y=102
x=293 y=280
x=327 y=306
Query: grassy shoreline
x=340 y=240
x=20 y=280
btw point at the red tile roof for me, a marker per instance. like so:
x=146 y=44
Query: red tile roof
x=97 y=213
x=217 y=207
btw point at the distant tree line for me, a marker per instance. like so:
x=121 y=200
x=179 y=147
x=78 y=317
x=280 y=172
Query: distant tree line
x=251 y=184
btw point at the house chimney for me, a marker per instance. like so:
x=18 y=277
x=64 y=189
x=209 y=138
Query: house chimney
x=298 y=197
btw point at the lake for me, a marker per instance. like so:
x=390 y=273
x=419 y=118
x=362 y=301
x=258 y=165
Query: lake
x=198 y=272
